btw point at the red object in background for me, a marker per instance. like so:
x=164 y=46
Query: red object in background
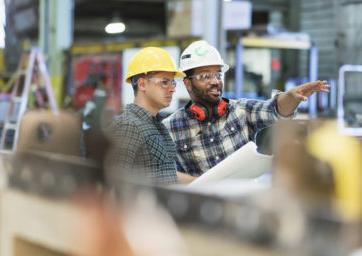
x=91 y=72
x=82 y=95
x=275 y=64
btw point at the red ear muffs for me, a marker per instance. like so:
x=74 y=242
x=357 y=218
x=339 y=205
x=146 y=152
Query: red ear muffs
x=221 y=108
x=201 y=113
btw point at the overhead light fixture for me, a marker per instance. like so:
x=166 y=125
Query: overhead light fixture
x=116 y=26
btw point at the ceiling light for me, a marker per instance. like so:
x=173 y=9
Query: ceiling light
x=115 y=28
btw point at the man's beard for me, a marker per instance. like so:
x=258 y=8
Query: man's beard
x=203 y=97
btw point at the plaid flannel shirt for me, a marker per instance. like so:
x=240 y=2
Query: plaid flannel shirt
x=141 y=148
x=202 y=145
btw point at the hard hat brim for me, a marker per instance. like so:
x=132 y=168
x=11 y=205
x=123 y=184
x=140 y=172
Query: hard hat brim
x=178 y=74
x=224 y=67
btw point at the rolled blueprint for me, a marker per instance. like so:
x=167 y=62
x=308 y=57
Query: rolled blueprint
x=245 y=163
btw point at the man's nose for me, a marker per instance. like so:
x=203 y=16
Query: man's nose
x=172 y=89
x=215 y=80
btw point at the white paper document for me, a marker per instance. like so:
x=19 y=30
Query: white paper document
x=227 y=188
x=245 y=163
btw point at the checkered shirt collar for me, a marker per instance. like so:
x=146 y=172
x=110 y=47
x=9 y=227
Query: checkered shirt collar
x=142 y=113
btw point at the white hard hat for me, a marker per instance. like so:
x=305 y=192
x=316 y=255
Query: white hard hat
x=200 y=54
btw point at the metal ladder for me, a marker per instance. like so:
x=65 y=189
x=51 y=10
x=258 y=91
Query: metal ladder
x=31 y=66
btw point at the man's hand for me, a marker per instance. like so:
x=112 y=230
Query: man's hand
x=302 y=92
x=184 y=178
x=289 y=101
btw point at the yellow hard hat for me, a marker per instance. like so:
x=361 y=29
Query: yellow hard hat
x=152 y=59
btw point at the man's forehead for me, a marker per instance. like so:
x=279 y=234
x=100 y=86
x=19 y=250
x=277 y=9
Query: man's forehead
x=208 y=69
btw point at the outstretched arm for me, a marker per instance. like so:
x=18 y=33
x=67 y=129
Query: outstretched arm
x=289 y=101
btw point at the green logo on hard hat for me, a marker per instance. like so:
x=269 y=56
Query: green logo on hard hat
x=200 y=51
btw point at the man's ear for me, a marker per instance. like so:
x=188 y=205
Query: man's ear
x=141 y=84
x=188 y=84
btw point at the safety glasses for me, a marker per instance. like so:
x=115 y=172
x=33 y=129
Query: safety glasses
x=208 y=77
x=163 y=82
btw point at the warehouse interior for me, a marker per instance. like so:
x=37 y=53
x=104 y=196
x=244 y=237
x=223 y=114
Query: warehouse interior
x=63 y=71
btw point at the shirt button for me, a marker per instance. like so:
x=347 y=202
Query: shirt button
x=232 y=128
x=212 y=140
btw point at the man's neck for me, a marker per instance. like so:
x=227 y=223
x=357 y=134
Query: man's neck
x=143 y=103
x=206 y=104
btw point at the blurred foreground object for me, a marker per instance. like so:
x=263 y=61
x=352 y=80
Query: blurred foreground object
x=135 y=225
x=316 y=162
x=89 y=225
x=99 y=230
x=344 y=154
x=323 y=170
x=48 y=160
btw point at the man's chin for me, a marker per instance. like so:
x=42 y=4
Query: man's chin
x=166 y=105
x=214 y=99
